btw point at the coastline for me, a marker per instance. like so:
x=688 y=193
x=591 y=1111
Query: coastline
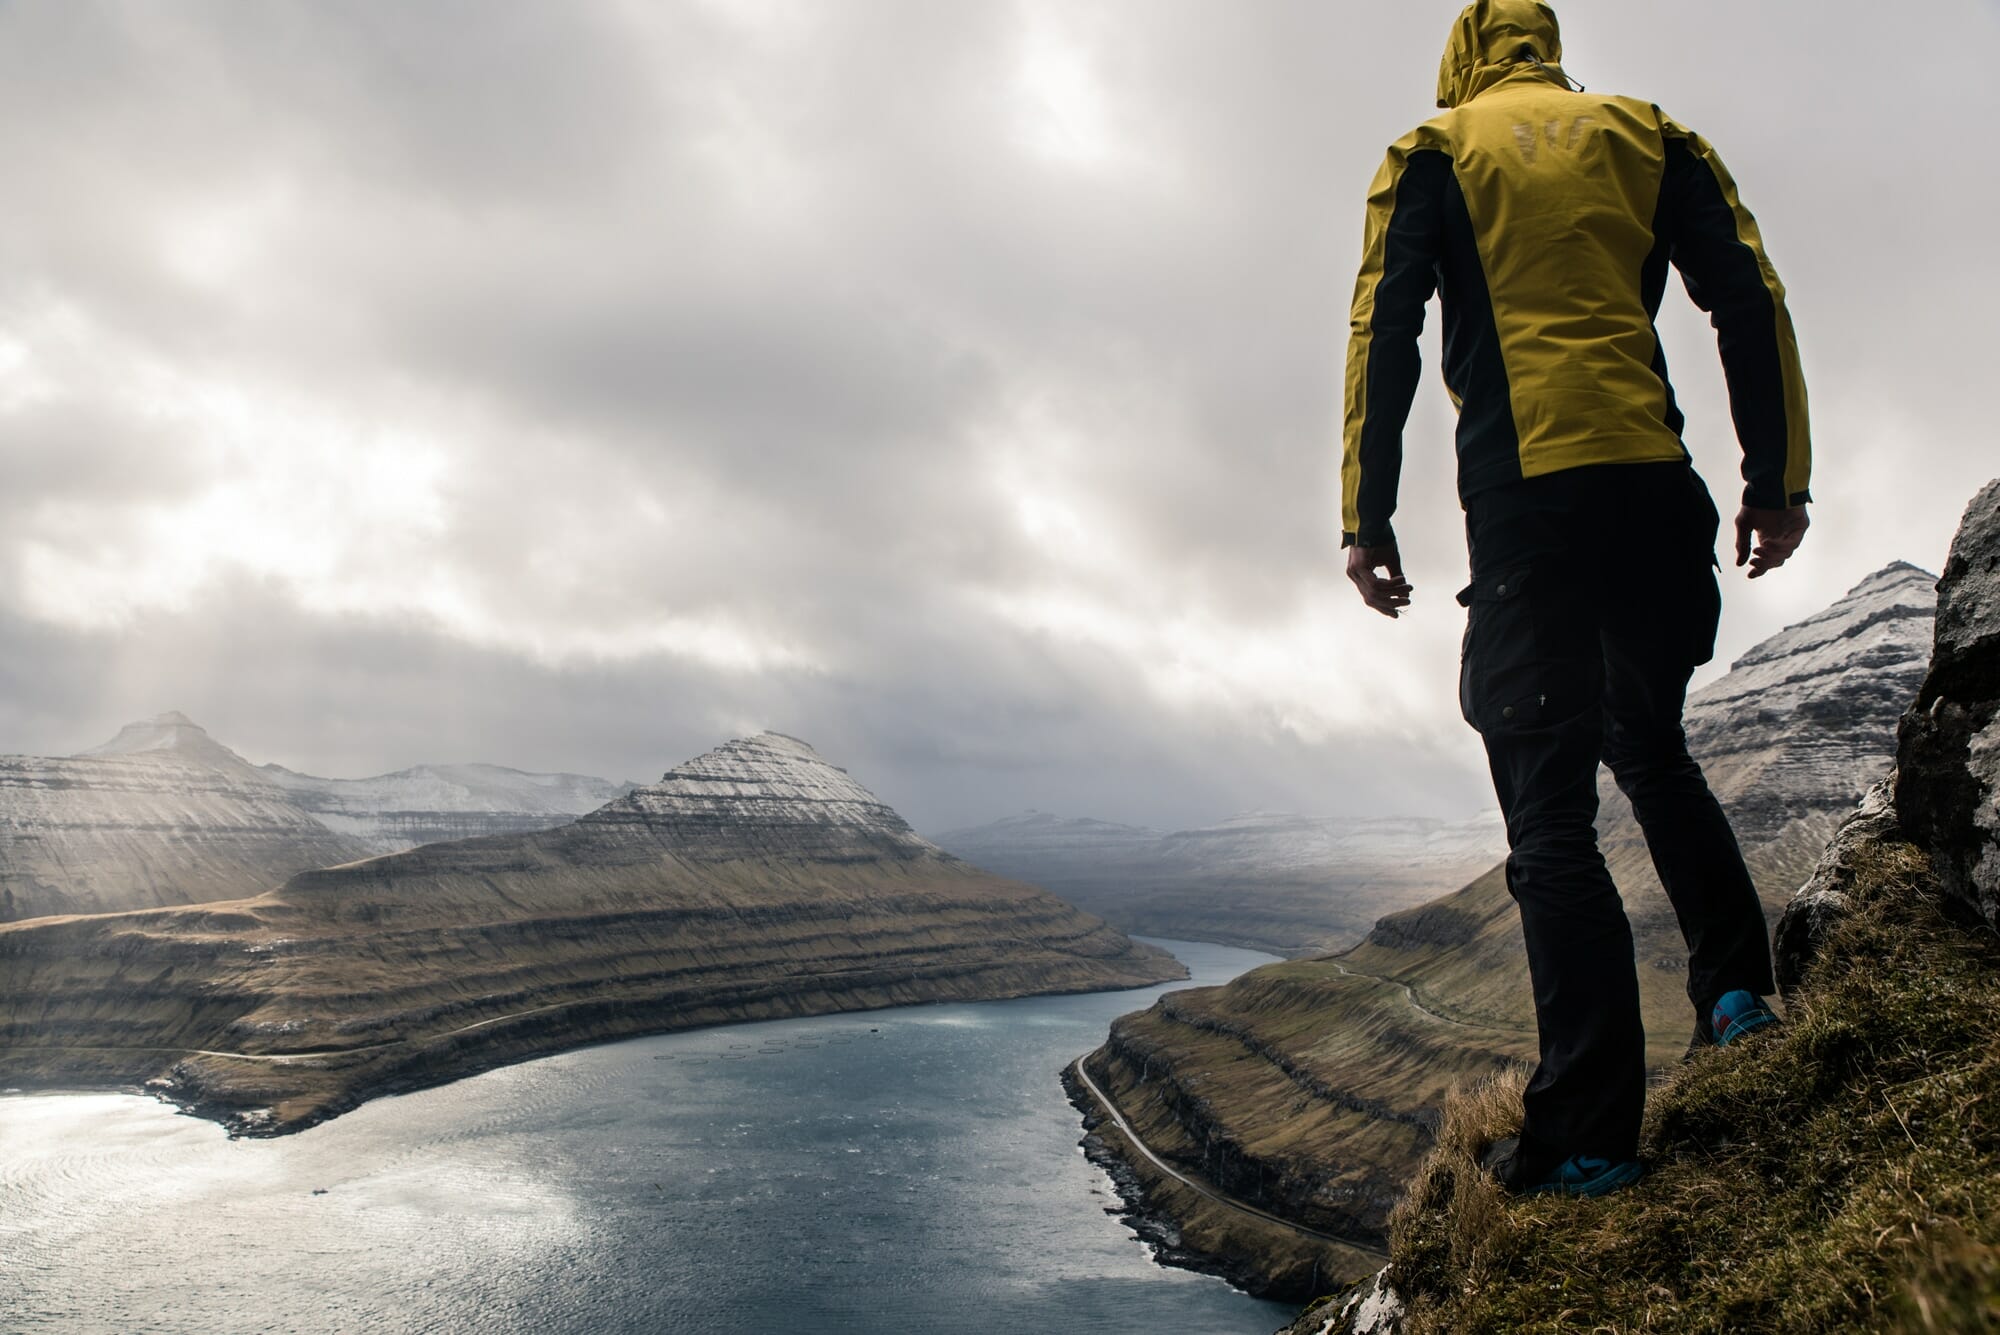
x=1294 y=1264
x=229 y=1089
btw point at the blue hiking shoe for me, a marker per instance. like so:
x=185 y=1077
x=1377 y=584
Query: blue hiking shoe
x=1578 y=1175
x=1739 y=1013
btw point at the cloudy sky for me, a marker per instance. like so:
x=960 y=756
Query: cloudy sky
x=576 y=384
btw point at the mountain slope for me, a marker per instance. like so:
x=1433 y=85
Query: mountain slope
x=752 y=882
x=164 y=814
x=1272 y=881
x=1312 y=1087
x=161 y=814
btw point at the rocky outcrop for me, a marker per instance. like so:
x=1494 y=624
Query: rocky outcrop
x=163 y=814
x=1824 y=899
x=1274 y=881
x=1315 y=1085
x=1948 y=773
x=755 y=882
x=1944 y=794
x=1372 y=1307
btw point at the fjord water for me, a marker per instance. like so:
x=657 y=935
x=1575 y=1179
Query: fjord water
x=908 y=1171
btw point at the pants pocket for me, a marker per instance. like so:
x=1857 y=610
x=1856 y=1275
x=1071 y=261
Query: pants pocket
x=1530 y=656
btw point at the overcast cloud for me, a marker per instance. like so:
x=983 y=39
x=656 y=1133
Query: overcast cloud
x=574 y=385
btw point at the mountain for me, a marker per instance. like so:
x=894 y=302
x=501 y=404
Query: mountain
x=1272 y=881
x=1311 y=1088
x=753 y=882
x=161 y=814
x=432 y=803
x=164 y=814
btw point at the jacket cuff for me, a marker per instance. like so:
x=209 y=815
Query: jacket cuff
x=1774 y=498
x=1370 y=535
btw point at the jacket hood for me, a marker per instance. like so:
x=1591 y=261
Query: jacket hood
x=1489 y=42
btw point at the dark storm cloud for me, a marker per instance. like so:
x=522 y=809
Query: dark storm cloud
x=954 y=385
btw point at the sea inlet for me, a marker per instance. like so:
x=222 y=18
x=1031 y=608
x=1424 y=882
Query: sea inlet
x=894 y=1172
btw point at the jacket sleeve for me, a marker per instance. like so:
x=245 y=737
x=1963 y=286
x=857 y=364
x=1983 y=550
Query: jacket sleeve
x=1716 y=246
x=1398 y=274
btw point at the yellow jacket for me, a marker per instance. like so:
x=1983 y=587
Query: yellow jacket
x=1547 y=218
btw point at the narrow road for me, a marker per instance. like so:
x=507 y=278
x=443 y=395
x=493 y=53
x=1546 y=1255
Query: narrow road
x=1230 y=1202
x=1416 y=1002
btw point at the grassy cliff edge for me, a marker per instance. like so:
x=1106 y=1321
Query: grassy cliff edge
x=1841 y=1174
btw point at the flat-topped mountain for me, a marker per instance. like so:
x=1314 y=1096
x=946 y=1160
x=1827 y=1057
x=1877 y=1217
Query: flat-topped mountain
x=1273 y=881
x=1312 y=1087
x=164 y=814
x=161 y=814
x=754 y=882
x=430 y=803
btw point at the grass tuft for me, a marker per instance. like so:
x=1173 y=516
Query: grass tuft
x=1841 y=1173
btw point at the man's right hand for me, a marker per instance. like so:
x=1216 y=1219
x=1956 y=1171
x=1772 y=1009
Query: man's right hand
x=1384 y=595
x=1779 y=533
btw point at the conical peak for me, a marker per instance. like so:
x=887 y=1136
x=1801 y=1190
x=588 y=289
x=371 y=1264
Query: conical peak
x=1894 y=606
x=766 y=783
x=1896 y=572
x=761 y=749
x=766 y=760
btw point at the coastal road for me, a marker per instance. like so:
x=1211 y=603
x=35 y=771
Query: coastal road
x=1229 y=1202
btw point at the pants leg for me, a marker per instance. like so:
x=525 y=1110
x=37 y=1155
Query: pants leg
x=1532 y=684
x=1652 y=643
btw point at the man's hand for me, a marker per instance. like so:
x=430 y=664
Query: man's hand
x=1779 y=533
x=1384 y=595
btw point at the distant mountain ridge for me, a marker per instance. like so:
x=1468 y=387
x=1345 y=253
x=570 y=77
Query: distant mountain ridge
x=164 y=814
x=1311 y=1088
x=1274 y=881
x=752 y=882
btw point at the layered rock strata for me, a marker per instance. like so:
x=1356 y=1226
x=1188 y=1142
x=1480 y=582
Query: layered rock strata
x=1311 y=1088
x=164 y=814
x=755 y=882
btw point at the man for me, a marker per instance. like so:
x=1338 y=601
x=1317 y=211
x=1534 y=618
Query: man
x=1547 y=218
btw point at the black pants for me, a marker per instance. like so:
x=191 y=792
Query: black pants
x=1593 y=599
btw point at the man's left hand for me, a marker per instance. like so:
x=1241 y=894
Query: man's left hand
x=1778 y=534
x=1386 y=596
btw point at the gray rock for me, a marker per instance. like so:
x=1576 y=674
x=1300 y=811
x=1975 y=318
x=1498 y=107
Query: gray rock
x=1823 y=900
x=1948 y=758
x=1373 y=1307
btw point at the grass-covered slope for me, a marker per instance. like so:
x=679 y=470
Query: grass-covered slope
x=1840 y=1174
